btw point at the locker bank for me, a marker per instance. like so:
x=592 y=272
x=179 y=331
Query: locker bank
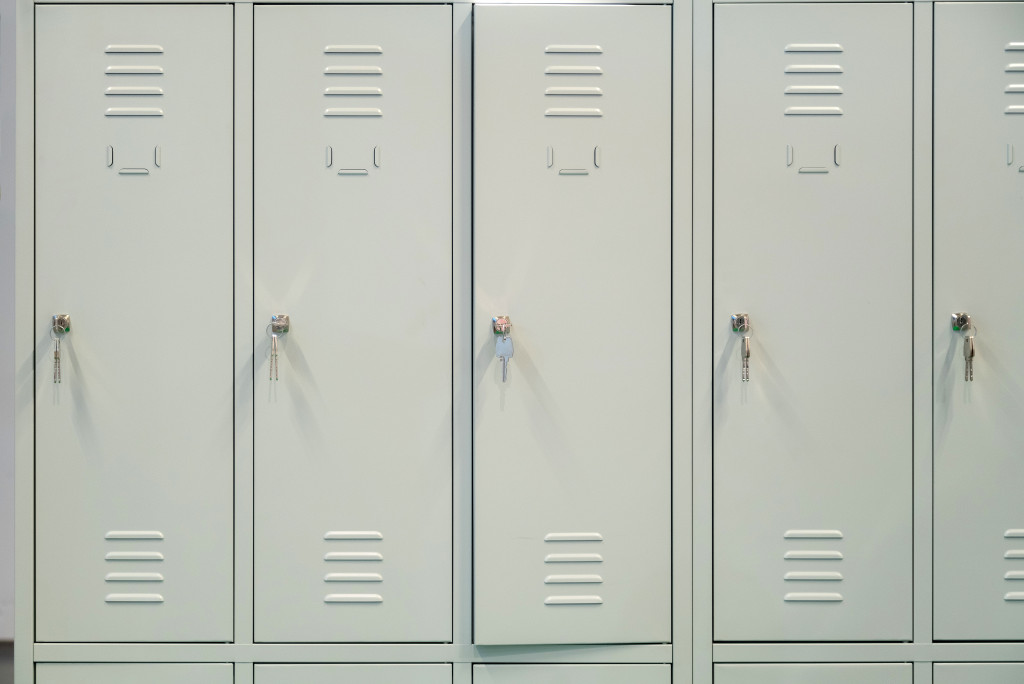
x=507 y=343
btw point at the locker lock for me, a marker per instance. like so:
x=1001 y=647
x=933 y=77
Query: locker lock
x=961 y=322
x=60 y=326
x=741 y=326
x=501 y=325
x=279 y=325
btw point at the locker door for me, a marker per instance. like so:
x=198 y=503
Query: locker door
x=353 y=674
x=134 y=242
x=572 y=674
x=812 y=240
x=979 y=195
x=133 y=673
x=572 y=242
x=977 y=673
x=353 y=242
x=842 y=673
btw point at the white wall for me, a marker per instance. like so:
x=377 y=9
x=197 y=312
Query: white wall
x=7 y=26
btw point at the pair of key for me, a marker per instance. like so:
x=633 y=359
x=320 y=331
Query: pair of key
x=279 y=325
x=61 y=327
x=962 y=324
x=741 y=325
x=503 y=347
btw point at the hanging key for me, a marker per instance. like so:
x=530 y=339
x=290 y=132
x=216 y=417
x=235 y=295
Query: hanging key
x=503 y=347
x=969 y=358
x=280 y=324
x=61 y=326
x=962 y=324
x=741 y=325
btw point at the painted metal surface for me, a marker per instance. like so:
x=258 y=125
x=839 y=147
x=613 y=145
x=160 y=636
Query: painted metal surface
x=813 y=239
x=977 y=673
x=353 y=674
x=836 y=673
x=353 y=241
x=572 y=674
x=134 y=446
x=132 y=673
x=979 y=195
x=572 y=242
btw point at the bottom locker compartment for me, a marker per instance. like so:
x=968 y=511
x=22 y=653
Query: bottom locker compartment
x=571 y=674
x=833 y=673
x=978 y=673
x=353 y=674
x=134 y=673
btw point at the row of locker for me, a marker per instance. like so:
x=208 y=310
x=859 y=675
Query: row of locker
x=842 y=673
x=348 y=383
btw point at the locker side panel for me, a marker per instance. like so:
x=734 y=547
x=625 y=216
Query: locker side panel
x=979 y=197
x=134 y=241
x=353 y=241
x=812 y=239
x=572 y=242
x=977 y=673
x=353 y=674
x=841 y=673
x=133 y=673
x=572 y=674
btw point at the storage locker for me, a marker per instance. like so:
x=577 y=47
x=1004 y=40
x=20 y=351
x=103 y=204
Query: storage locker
x=133 y=241
x=813 y=285
x=572 y=244
x=133 y=673
x=836 y=673
x=979 y=177
x=353 y=242
x=977 y=673
x=353 y=674
x=572 y=674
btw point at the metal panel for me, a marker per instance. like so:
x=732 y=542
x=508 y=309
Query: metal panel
x=977 y=673
x=133 y=673
x=813 y=238
x=353 y=241
x=901 y=673
x=572 y=674
x=353 y=674
x=979 y=176
x=572 y=241
x=134 y=241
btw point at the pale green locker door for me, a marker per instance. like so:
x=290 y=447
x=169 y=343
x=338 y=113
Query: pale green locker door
x=572 y=240
x=353 y=674
x=833 y=673
x=133 y=236
x=572 y=674
x=353 y=242
x=134 y=673
x=812 y=241
x=978 y=673
x=979 y=248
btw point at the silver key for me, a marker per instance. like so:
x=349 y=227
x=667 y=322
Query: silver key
x=745 y=377
x=273 y=356
x=280 y=324
x=504 y=350
x=56 y=360
x=969 y=358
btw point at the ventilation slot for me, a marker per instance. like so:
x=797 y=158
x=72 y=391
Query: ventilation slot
x=353 y=91
x=814 y=90
x=573 y=579
x=134 y=111
x=354 y=70
x=573 y=536
x=135 y=70
x=573 y=600
x=134 y=49
x=579 y=49
x=812 y=572
x=130 y=90
x=814 y=47
x=357 y=580
x=353 y=49
x=354 y=111
x=573 y=111
x=574 y=70
x=573 y=540
x=131 y=562
x=574 y=90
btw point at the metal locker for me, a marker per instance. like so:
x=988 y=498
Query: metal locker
x=572 y=245
x=835 y=673
x=353 y=674
x=571 y=674
x=133 y=673
x=979 y=195
x=812 y=289
x=977 y=673
x=353 y=400
x=133 y=239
